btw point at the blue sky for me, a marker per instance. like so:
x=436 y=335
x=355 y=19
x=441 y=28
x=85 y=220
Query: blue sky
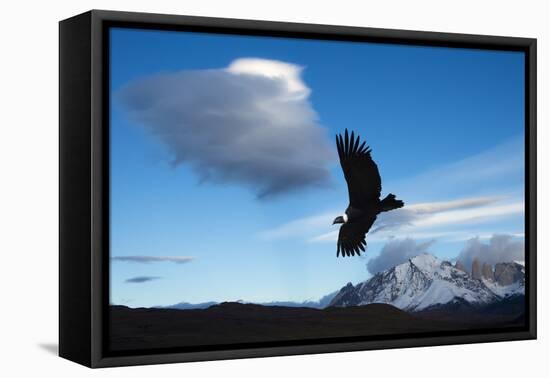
x=204 y=216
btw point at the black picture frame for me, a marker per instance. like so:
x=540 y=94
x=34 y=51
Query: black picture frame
x=84 y=184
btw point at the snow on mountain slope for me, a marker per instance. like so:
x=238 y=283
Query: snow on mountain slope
x=422 y=282
x=505 y=291
x=509 y=279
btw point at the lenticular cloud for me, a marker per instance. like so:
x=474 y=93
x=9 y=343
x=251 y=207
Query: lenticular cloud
x=249 y=124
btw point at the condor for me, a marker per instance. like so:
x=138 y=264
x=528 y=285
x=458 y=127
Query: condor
x=364 y=186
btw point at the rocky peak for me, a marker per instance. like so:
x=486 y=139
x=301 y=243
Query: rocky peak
x=487 y=271
x=460 y=266
x=509 y=273
x=476 y=269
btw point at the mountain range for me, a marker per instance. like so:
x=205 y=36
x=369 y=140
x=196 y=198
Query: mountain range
x=422 y=283
x=423 y=294
x=321 y=303
x=425 y=282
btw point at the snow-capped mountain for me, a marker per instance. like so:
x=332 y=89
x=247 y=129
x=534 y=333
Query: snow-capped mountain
x=424 y=282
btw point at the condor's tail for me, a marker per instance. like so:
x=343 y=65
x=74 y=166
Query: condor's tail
x=390 y=203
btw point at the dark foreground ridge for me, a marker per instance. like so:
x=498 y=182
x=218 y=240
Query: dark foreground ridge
x=235 y=323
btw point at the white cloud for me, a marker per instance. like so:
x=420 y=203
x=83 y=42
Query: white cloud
x=471 y=216
x=289 y=74
x=463 y=203
x=396 y=252
x=423 y=212
x=249 y=124
x=500 y=248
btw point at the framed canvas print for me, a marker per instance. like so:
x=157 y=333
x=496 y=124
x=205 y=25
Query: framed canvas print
x=234 y=188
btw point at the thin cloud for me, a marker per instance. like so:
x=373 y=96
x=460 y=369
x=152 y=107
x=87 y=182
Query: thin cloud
x=499 y=248
x=142 y=279
x=422 y=212
x=453 y=236
x=422 y=220
x=501 y=167
x=491 y=171
x=396 y=252
x=298 y=227
x=151 y=259
x=249 y=124
x=428 y=220
x=471 y=216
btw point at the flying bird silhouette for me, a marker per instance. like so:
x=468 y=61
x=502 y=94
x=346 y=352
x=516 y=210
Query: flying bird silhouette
x=364 y=186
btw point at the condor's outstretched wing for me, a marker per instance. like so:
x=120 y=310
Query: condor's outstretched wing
x=360 y=171
x=351 y=238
